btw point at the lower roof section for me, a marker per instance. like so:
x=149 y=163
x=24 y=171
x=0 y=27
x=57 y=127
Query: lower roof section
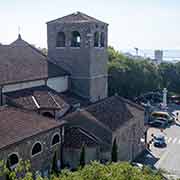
x=17 y=125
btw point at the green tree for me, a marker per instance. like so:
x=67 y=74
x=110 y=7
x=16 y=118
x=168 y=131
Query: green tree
x=82 y=156
x=93 y=171
x=114 y=151
x=113 y=171
x=54 y=164
x=9 y=170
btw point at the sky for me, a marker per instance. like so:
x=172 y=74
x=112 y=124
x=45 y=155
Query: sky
x=146 y=24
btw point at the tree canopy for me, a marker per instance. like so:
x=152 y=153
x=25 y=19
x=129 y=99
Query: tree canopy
x=93 y=171
x=130 y=78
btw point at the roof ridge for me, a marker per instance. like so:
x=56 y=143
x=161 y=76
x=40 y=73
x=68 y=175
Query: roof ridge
x=29 y=45
x=59 y=18
x=99 y=102
x=87 y=17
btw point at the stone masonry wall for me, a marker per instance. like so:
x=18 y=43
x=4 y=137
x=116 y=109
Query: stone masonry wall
x=128 y=139
x=85 y=63
x=41 y=161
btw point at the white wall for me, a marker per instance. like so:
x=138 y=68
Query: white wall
x=24 y=85
x=59 y=84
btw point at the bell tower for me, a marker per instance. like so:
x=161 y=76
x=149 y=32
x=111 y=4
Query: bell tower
x=78 y=43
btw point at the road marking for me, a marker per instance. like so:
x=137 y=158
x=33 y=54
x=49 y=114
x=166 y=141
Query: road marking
x=163 y=157
x=179 y=141
x=174 y=140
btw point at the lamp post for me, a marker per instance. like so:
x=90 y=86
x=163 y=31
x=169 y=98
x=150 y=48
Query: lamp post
x=165 y=98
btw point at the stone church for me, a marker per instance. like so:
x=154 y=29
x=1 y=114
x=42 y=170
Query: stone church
x=52 y=105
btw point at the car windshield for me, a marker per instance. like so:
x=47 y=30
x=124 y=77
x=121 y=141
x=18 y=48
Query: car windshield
x=160 y=115
x=160 y=138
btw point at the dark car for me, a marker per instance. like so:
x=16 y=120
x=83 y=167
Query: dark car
x=159 y=141
x=159 y=123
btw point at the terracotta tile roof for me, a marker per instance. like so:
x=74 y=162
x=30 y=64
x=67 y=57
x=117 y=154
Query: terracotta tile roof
x=74 y=99
x=17 y=125
x=42 y=96
x=77 y=17
x=104 y=117
x=115 y=111
x=83 y=119
x=22 y=62
x=76 y=138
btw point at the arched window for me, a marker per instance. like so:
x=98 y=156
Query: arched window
x=96 y=39
x=56 y=139
x=37 y=148
x=60 y=39
x=76 y=39
x=102 y=40
x=12 y=160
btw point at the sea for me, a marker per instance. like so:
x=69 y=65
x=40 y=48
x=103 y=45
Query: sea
x=172 y=55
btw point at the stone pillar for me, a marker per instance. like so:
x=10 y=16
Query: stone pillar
x=165 y=98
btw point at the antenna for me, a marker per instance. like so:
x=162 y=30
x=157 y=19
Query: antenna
x=19 y=35
x=19 y=29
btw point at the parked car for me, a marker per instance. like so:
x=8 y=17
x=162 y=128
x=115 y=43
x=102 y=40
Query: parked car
x=162 y=115
x=159 y=141
x=159 y=123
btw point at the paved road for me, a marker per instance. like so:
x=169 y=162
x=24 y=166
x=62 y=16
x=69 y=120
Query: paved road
x=170 y=156
x=167 y=158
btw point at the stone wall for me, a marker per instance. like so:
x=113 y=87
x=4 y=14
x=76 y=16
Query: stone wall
x=40 y=162
x=72 y=156
x=85 y=63
x=128 y=139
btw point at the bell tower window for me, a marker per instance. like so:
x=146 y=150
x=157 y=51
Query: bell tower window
x=96 y=39
x=76 y=39
x=102 y=40
x=60 y=39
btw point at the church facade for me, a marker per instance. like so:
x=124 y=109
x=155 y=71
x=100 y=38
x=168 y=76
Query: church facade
x=56 y=104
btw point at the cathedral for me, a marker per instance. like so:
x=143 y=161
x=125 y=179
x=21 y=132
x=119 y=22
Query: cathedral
x=52 y=105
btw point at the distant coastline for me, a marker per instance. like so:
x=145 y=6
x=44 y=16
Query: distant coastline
x=168 y=54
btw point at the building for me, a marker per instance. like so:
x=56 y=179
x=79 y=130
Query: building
x=64 y=95
x=158 y=56
x=104 y=121
x=78 y=40
x=25 y=135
